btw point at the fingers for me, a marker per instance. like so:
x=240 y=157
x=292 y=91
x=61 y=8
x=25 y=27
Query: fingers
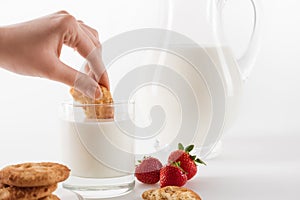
x=85 y=44
x=87 y=86
x=78 y=80
x=96 y=65
x=85 y=40
x=91 y=33
x=74 y=36
x=87 y=68
x=100 y=75
x=104 y=80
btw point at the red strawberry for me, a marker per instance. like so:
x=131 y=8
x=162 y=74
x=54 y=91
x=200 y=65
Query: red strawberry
x=148 y=170
x=172 y=175
x=187 y=162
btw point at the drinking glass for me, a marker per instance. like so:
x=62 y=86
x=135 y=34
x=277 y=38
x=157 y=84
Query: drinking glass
x=99 y=152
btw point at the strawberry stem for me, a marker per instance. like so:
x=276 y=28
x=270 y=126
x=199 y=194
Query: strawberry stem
x=177 y=164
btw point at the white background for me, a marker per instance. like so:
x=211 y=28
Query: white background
x=29 y=107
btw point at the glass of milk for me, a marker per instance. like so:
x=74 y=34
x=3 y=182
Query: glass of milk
x=100 y=153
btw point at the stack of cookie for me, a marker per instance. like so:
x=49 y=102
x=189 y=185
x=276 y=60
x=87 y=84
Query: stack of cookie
x=31 y=181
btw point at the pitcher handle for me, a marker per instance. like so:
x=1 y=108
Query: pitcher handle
x=246 y=61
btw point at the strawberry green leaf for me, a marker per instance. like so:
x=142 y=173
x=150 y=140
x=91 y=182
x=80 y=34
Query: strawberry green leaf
x=189 y=148
x=180 y=146
x=193 y=157
x=200 y=161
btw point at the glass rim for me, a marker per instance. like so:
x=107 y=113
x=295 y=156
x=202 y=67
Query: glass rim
x=115 y=103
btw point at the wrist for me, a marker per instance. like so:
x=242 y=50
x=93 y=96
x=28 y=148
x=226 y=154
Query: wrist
x=2 y=44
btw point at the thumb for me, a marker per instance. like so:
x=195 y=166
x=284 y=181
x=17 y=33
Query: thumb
x=87 y=86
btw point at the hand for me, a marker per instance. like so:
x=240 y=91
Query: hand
x=33 y=48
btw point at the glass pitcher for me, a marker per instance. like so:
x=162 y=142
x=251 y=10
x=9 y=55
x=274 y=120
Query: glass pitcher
x=172 y=59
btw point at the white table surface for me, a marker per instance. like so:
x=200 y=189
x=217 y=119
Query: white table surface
x=251 y=166
x=254 y=166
